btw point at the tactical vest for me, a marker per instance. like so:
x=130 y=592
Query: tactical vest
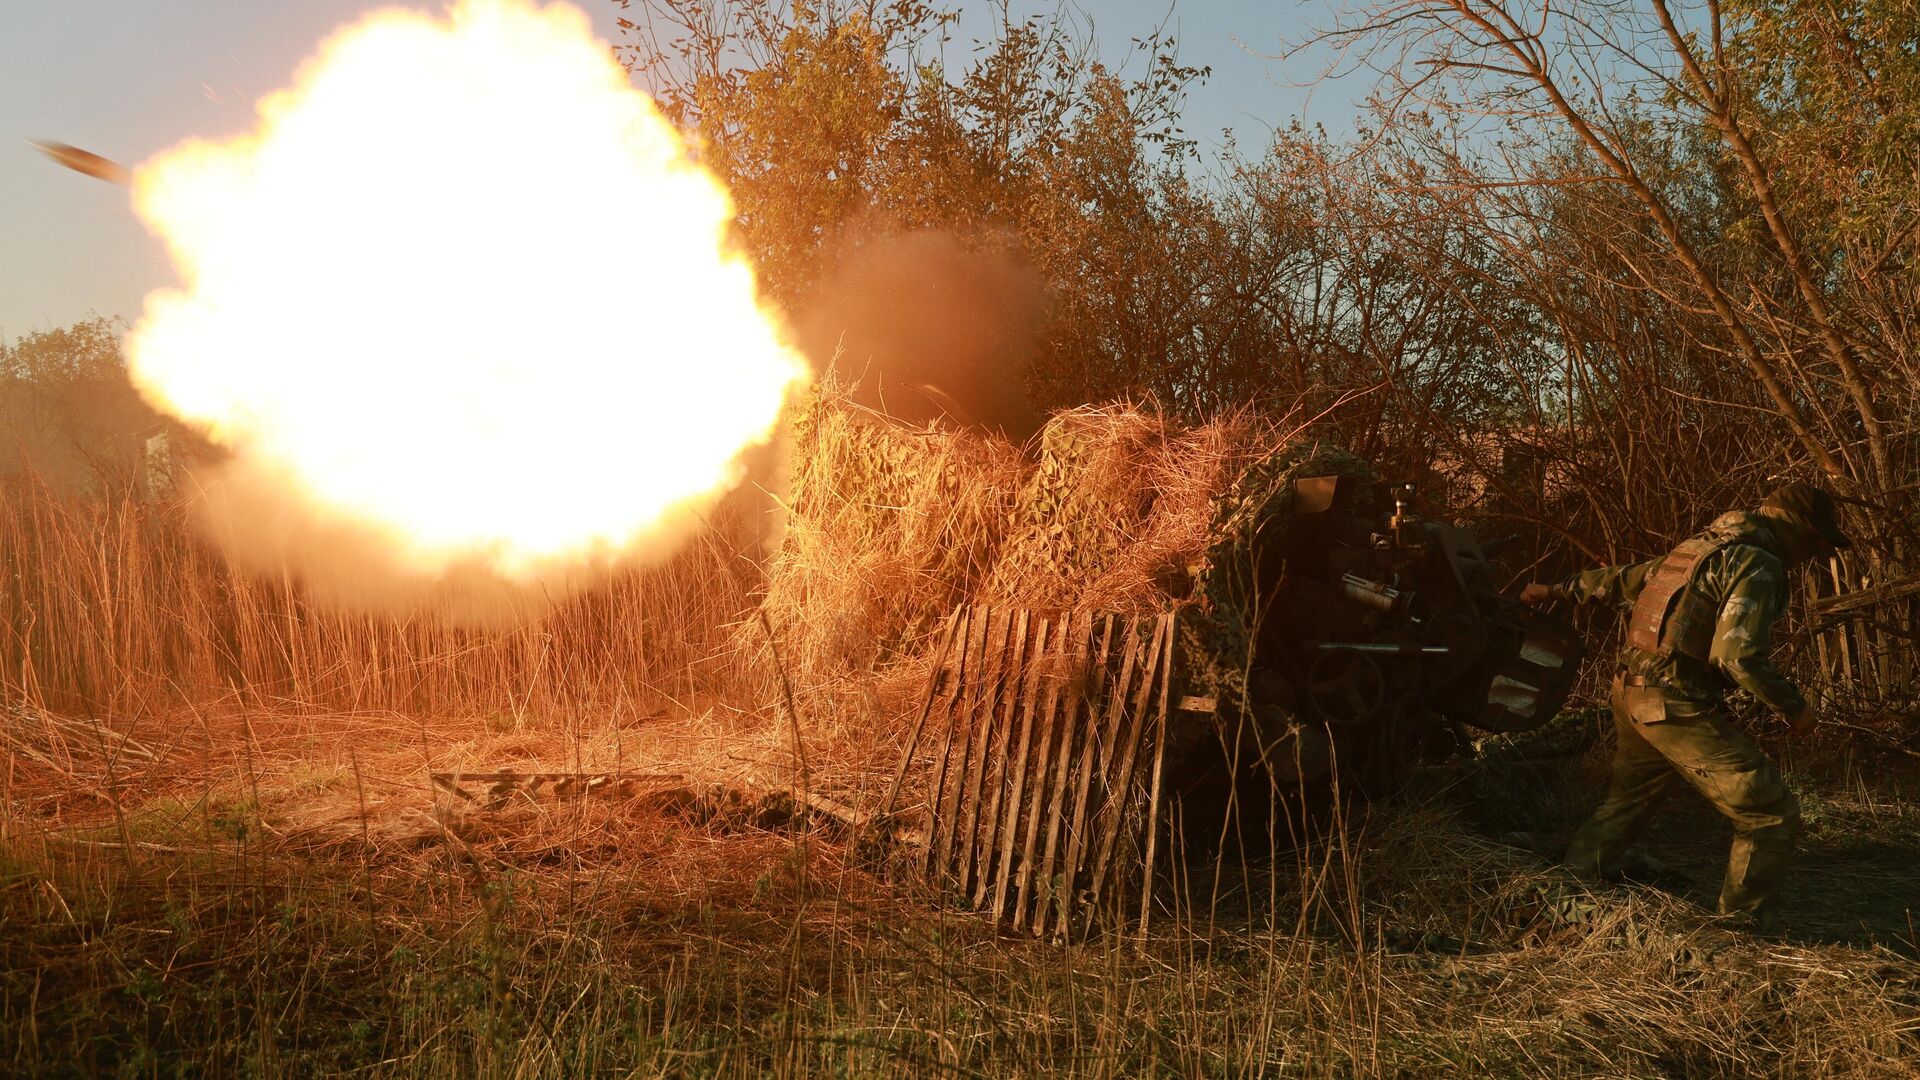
x=1670 y=617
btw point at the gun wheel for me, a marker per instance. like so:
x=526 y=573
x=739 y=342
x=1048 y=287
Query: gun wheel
x=1346 y=687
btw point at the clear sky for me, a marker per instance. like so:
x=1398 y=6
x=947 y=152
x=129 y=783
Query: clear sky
x=127 y=78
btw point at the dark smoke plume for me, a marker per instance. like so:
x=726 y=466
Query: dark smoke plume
x=926 y=327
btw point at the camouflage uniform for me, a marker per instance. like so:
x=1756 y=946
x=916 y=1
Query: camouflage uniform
x=1669 y=719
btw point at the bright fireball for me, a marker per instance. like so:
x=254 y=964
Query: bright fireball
x=464 y=286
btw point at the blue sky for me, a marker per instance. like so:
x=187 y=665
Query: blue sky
x=127 y=78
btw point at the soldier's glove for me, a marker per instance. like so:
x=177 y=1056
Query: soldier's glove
x=1802 y=723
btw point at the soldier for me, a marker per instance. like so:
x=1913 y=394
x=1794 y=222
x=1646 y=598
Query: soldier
x=1700 y=623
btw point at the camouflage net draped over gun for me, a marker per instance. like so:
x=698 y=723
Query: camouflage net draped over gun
x=1217 y=639
x=1111 y=514
x=888 y=529
x=1120 y=510
x=1126 y=512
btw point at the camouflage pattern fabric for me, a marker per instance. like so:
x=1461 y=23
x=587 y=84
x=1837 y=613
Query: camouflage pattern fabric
x=1670 y=726
x=1664 y=738
x=1077 y=511
x=1570 y=733
x=1746 y=582
x=1217 y=638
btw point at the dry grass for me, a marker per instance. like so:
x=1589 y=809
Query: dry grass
x=891 y=527
x=1141 y=495
x=266 y=903
x=120 y=606
x=220 y=852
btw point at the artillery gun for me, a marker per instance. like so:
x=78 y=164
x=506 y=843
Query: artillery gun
x=1331 y=640
x=1384 y=642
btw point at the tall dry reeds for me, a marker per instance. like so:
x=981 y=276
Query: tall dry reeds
x=114 y=603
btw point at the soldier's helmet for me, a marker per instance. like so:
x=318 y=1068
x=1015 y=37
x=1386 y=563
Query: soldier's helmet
x=1813 y=506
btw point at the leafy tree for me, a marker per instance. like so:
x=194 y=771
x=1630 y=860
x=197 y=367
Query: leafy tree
x=67 y=407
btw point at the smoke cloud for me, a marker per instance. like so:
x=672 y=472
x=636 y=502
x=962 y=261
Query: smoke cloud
x=925 y=326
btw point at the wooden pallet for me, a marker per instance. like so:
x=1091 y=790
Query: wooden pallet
x=491 y=790
x=1043 y=789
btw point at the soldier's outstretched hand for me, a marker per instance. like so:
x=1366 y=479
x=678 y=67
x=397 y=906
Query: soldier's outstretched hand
x=1536 y=594
x=1802 y=723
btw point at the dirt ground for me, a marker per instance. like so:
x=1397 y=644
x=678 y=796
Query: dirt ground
x=288 y=893
x=1857 y=875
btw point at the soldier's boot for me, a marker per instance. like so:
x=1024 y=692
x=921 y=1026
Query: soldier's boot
x=1641 y=781
x=1762 y=853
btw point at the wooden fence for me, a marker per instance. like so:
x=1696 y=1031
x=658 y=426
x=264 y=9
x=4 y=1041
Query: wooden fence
x=1043 y=784
x=1864 y=626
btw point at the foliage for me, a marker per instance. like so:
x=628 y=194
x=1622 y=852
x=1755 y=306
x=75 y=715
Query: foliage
x=1834 y=90
x=88 y=350
x=66 y=407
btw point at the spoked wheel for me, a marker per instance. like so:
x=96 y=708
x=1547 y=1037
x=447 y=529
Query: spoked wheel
x=1407 y=736
x=1346 y=688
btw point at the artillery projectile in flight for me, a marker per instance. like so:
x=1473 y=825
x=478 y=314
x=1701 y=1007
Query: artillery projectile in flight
x=82 y=161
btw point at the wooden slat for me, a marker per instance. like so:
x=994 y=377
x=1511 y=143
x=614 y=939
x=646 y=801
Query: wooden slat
x=1100 y=734
x=1068 y=653
x=1119 y=788
x=941 y=807
x=953 y=796
x=966 y=683
x=982 y=720
x=999 y=740
x=1046 y=791
x=1153 y=793
x=1082 y=700
x=926 y=708
x=1843 y=640
x=1036 y=666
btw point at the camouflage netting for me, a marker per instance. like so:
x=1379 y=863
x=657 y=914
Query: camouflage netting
x=1113 y=512
x=888 y=529
x=1217 y=640
x=1120 y=510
